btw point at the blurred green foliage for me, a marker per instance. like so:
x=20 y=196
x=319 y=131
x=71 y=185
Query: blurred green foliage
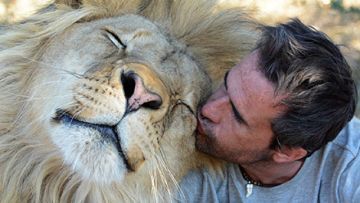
x=339 y=5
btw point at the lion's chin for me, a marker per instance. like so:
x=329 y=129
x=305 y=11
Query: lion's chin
x=85 y=150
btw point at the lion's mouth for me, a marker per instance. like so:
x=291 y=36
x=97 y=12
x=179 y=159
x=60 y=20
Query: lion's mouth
x=108 y=133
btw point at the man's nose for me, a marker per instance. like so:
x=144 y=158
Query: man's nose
x=215 y=106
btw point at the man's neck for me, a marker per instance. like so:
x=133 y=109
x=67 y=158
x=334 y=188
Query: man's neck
x=271 y=173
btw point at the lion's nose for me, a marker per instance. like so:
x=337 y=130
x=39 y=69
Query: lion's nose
x=136 y=93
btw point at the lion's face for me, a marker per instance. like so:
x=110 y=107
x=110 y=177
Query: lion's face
x=108 y=90
x=98 y=97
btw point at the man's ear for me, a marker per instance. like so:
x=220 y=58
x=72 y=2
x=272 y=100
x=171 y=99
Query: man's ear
x=288 y=154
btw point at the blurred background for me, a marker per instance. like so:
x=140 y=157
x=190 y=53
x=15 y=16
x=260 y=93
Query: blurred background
x=340 y=19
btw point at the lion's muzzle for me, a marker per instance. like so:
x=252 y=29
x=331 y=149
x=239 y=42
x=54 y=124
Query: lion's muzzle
x=108 y=133
x=137 y=94
x=117 y=117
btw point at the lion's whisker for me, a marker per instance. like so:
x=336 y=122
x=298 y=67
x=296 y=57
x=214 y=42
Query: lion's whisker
x=77 y=75
x=38 y=120
x=169 y=174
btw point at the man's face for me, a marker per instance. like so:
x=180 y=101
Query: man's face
x=235 y=122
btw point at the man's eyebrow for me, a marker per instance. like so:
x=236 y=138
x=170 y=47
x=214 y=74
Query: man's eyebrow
x=237 y=114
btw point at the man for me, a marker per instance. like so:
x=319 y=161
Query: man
x=277 y=119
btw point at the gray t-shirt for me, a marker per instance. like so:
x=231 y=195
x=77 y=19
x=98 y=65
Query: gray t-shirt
x=332 y=174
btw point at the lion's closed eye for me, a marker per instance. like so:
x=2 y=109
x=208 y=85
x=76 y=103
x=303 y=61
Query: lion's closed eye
x=114 y=38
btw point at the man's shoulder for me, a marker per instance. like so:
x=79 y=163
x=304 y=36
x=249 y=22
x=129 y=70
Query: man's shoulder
x=210 y=175
x=348 y=139
x=332 y=171
x=342 y=154
x=347 y=145
x=203 y=185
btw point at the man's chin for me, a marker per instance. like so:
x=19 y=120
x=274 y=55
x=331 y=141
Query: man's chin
x=203 y=144
x=199 y=140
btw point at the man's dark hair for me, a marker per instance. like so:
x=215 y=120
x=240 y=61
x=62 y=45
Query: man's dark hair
x=309 y=69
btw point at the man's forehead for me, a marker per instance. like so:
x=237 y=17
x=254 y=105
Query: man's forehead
x=249 y=76
x=251 y=60
x=251 y=92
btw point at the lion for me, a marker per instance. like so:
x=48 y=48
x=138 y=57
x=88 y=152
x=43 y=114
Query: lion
x=99 y=97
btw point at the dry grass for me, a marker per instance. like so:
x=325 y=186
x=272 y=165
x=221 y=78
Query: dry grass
x=340 y=21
